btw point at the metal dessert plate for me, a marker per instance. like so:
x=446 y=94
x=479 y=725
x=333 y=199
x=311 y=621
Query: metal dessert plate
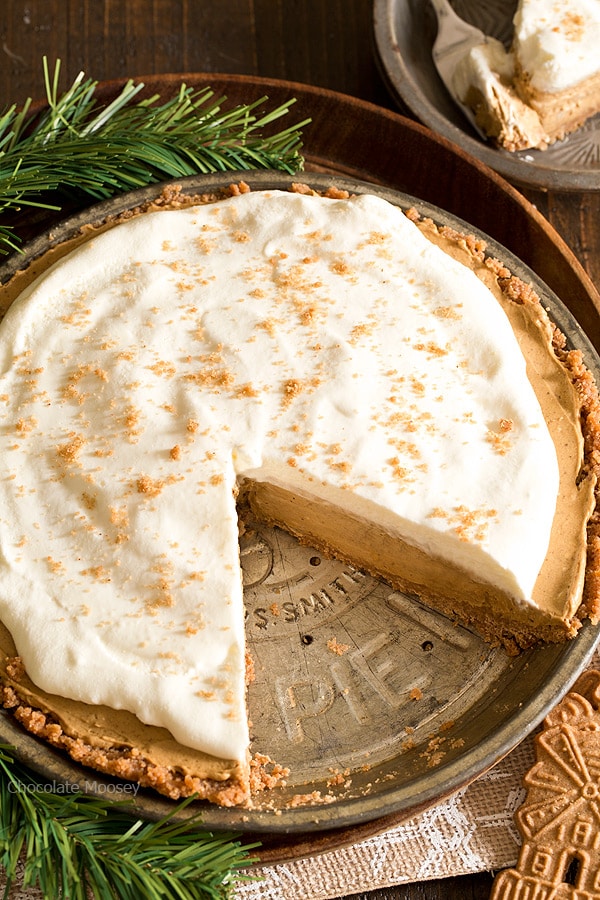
x=378 y=706
x=404 y=34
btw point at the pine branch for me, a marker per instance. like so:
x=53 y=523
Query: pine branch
x=76 y=846
x=75 y=145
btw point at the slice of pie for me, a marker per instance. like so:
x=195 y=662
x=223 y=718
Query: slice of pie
x=370 y=383
x=546 y=85
x=557 y=63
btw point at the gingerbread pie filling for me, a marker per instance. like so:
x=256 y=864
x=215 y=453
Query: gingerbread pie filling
x=363 y=387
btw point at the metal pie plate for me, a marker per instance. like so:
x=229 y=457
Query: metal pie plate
x=404 y=34
x=378 y=706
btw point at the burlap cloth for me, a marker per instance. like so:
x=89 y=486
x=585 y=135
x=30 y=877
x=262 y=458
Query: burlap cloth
x=473 y=831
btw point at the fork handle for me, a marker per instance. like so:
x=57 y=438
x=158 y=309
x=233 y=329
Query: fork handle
x=443 y=9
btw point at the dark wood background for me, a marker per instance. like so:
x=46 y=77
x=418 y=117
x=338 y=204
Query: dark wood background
x=324 y=43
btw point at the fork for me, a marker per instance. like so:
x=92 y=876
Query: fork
x=455 y=38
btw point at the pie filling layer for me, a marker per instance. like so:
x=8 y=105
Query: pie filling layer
x=360 y=385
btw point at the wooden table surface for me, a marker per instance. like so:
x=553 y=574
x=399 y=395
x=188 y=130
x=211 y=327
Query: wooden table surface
x=324 y=43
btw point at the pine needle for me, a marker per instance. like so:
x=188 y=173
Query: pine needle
x=77 y=147
x=77 y=846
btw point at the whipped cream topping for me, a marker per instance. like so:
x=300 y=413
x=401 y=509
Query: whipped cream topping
x=557 y=41
x=489 y=61
x=324 y=344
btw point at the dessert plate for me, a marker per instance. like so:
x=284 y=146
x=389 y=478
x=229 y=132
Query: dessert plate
x=379 y=707
x=404 y=34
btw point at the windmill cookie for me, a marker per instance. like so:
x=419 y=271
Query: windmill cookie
x=560 y=818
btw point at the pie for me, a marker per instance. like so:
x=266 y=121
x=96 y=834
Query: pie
x=351 y=373
x=546 y=85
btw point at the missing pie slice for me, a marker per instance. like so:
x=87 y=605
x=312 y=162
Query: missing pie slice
x=367 y=381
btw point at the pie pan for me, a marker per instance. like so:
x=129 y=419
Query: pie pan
x=414 y=710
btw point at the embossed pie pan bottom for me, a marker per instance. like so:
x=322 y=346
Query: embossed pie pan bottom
x=415 y=707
